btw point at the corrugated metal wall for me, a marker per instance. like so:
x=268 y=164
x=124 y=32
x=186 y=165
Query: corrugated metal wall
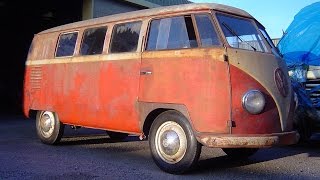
x=169 y=2
x=109 y=7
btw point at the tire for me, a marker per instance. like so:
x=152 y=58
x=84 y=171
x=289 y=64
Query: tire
x=116 y=135
x=185 y=149
x=49 y=128
x=302 y=122
x=240 y=153
x=304 y=130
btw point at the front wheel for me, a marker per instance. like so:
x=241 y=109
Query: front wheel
x=173 y=145
x=49 y=128
x=240 y=153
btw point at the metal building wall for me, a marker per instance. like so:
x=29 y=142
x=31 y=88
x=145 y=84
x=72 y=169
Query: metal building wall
x=98 y=8
x=109 y=7
x=169 y=2
x=276 y=41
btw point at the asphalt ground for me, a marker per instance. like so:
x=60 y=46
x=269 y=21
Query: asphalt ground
x=90 y=154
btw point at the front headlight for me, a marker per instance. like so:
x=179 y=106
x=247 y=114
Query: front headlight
x=253 y=101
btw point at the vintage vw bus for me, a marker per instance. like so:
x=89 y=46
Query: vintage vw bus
x=182 y=76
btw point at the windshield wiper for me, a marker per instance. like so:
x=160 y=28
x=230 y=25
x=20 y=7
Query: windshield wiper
x=235 y=34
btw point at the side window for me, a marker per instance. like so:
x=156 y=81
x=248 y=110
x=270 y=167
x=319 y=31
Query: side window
x=125 y=37
x=172 y=33
x=93 y=41
x=66 y=44
x=207 y=32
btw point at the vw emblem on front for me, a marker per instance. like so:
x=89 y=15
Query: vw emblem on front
x=281 y=82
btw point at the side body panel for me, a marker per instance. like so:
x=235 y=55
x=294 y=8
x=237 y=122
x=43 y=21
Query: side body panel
x=92 y=91
x=195 y=78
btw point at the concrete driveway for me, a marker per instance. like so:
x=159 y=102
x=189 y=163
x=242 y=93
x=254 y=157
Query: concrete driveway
x=90 y=154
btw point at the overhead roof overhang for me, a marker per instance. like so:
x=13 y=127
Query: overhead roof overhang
x=143 y=3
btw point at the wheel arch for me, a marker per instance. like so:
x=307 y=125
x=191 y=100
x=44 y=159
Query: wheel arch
x=148 y=112
x=32 y=113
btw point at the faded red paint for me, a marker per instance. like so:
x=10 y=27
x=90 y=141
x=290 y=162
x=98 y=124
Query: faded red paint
x=201 y=83
x=105 y=94
x=245 y=123
x=98 y=94
x=26 y=92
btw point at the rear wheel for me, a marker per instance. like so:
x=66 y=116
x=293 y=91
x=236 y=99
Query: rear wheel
x=240 y=153
x=173 y=145
x=116 y=135
x=49 y=128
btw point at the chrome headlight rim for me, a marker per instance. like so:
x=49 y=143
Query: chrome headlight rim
x=244 y=101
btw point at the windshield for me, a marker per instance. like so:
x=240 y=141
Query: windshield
x=241 y=33
x=274 y=49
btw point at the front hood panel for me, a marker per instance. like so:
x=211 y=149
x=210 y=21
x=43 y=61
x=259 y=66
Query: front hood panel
x=264 y=69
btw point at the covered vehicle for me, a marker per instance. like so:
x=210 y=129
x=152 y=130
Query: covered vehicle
x=300 y=47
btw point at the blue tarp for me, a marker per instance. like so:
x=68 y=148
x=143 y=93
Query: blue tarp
x=301 y=42
x=300 y=47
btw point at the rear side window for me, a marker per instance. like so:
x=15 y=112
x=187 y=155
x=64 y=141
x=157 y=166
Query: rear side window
x=172 y=33
x=93 y=41
x=66 y=44
x=125 y=37
x=207 y=32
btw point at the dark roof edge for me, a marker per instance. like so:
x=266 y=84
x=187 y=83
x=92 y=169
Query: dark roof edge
x=150 y=12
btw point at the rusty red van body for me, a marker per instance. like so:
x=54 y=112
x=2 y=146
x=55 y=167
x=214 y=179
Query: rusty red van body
x=182 y=76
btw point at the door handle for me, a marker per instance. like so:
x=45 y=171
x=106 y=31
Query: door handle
x=145 y=73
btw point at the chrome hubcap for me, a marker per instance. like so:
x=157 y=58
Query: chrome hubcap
x=171 y=142
x=47 y=123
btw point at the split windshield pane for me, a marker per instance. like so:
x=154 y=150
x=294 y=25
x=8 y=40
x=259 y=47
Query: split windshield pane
x=241 y=33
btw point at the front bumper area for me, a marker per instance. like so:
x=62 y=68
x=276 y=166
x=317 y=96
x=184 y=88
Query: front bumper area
x=248 y=141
